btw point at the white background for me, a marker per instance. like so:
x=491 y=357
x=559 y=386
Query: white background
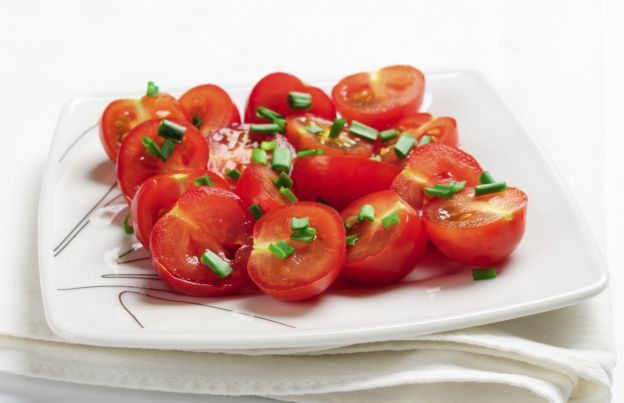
x=558 y=62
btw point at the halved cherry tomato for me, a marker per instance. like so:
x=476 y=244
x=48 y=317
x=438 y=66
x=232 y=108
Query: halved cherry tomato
x=339 y=179
x=204 y=218
x=135 y=164
x=383 y=254
x=431 y=164
x=272 y=92
x=300 y=136
x=380 y=98
x=211 y=105
x=312 y=267
x=158 y=194
x=477 y=230
x=230 y=148
x=123 y=115
x=256 y=186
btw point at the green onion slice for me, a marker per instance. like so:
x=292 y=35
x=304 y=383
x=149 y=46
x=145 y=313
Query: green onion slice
x=424 y=140
x=351 y=221
x=405 y=144
x=390 y=220
x=299 y=223
x=152 y=89
x=299 y=100
x=352 y=239
x=281 y=249
x=267 y=113
x=313 y=129
x=388 y=135
x=490 y=188
x=288 y=194
x=219 y=266
x=270 y=128
x=483 y=274
x=234 y=173
x=259 y=156
x=283 y=180
x=305 y=235
x=204 y=180
x=367 y=212
x=197 y=121
x=256 y=210
x=151 y=147
x=282 y=159
x=486 y=178
x=127 y=227
x=167 y=149
x=307 y=153
x=268 y=145
x=360 y=129
x=336 y=128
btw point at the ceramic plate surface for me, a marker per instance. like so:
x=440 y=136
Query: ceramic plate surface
x=92 y=296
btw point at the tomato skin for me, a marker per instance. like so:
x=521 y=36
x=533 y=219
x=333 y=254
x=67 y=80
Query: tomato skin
x=431 y=164
x=381 y=255
x=255 y=186
x=379 y=99
x=158 y=194
x=272 y=92
x=123 y=115
x=213 y=105
x=484 y=238
x=313 y=267
x=135 y=165
x=339 y=180
x=203 y=218
x=344 y=144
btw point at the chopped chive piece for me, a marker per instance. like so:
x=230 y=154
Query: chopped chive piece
x=204 y=180
x=268 y=145
x=376 y=157
x=304 y=235
x=127 y=227
x=490 y=188
x=218 y=266
x=388 y=135
x=314 y=129
x=267 y=113
x=483 y=274
x=270 y=128
x=360 y=129
x=166 y=149
x=351 y=221
x=352 y=239
x=281 y=159
x=234 y=173
x=458 y=186
x=299 y=223
x=283 y=180
x=486 y=178
x=322 y=201
x=367 y=212
x=197 y=121
x=288 y=194
x=281 y=124
x=151 y=147
x=256 y=211
x=152 y=89
x=424 y=140
x=307 y=153
x=259 y=156
x=281 y=249
x=444 y=193
x=390 y=220
x=299 y=100
x=336 y=128
x=405 y=144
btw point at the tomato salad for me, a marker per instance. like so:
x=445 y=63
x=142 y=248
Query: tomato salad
x=309 y=188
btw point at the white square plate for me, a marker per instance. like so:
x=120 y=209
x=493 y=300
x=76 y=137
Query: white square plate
x=91 y=297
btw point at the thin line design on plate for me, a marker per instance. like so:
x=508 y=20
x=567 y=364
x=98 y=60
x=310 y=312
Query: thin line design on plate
x=76 y=140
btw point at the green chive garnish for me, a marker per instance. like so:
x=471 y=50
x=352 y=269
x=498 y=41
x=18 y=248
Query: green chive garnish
x=352 y=239
x=304 y=235
x=424 y=140
x=351 y=221
x=483 y=274
x=127 y=227
x=307 y=153
x=203 y=180
x=167 y=149
x=336 y=128
x=281 y=249
x=288 y=194
x=270 y=128
x=152 y=148
x=256 y=211
x=197 y=121
x=360 y=129
x=314 y=129
x=405 y=144
x=390 y=220
x=447 y=190
x=281 y=159
x=268 y=145
x=218 y=266
x=283 y=180
x=259 y=156
x=152 y=89
x=299 y=223
x=481 y=190
x=267 y=113
x=299 y=100
x=388 y=135
x=486 y=178
x=234 y=173
x=367 y=212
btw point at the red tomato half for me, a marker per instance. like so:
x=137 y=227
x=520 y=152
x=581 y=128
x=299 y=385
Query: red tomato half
x=158 y=194
x=312 y=267
x=345 y=144
x=135 y=164
x=272 y=92
x=380 y=98
x=431 y=164
x=204 y=218
x=123 y=115
x=339 y=180
x=477 y=230
x=383 y=255
x=212 y=105
x=256 y=186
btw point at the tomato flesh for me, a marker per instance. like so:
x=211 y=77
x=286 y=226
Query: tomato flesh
x=380 y=98
x=212 y=105
x=204 y=218
x=477 y=230
x=158 y=194
x=431 y=164
x=255 y=186
x=313 y=267
x=383 y=255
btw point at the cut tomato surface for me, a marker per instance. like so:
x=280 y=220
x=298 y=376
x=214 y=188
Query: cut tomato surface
x=210 y=107
x=477 y=230
x=203 y=219
x=256 y=186
x=386 y=249
x=312 y=266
